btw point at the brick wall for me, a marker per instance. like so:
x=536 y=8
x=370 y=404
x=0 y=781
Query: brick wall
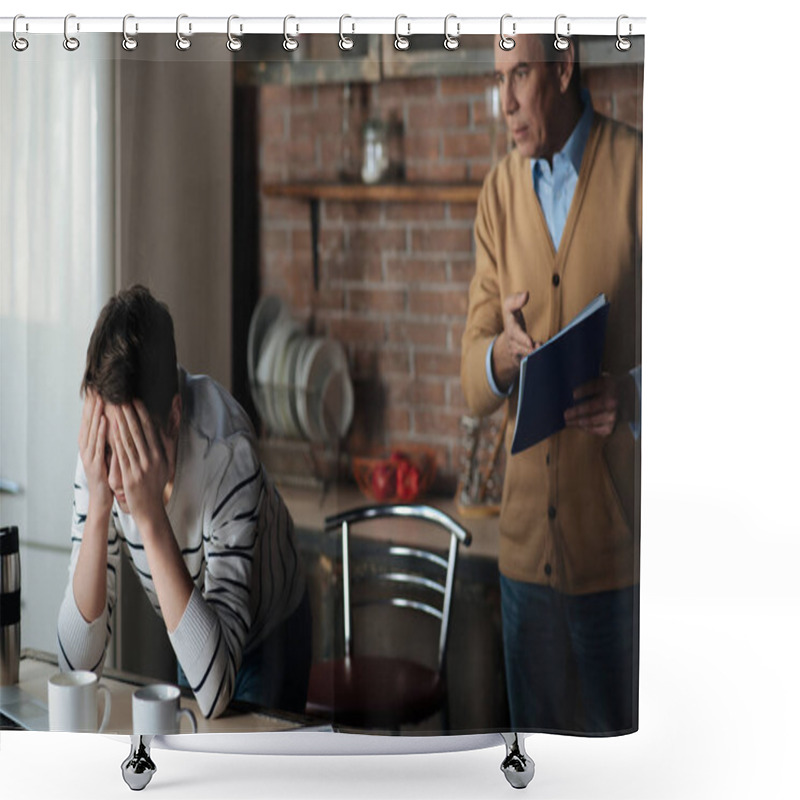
x=393 y=276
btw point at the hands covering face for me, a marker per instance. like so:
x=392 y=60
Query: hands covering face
x=141 y=451
x=124 y=451
x=92 y=444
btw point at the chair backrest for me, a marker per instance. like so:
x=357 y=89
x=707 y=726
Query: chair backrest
x=439 y=572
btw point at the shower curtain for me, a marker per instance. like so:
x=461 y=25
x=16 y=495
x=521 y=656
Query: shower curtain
x=392 y=200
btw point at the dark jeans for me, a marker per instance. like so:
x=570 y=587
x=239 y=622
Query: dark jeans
x=275 y=674
x=572 y=661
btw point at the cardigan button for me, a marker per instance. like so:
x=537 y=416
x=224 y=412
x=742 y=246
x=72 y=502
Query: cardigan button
x=551 y=512
x=556 y=280
x=547 y=569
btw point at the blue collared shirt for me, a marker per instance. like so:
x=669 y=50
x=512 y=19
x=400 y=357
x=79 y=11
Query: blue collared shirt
x=555 y=186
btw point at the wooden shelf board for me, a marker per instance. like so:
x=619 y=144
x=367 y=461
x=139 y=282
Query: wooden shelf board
x=383 y=192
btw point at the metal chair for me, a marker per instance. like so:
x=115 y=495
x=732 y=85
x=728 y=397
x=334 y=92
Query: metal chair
x=369 y=690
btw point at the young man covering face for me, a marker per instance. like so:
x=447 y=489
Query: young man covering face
x=168 y=474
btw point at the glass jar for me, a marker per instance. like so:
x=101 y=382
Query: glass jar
x=375 y=166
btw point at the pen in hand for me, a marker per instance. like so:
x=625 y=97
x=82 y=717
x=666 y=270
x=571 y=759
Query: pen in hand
x=520 y=320
x=516 y=343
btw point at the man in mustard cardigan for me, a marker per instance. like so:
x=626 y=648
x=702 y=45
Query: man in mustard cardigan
x=558 y=222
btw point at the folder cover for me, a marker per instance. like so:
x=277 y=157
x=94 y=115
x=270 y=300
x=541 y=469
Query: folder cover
x=551 y=373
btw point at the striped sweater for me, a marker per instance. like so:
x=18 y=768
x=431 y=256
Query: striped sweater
x=236 y=538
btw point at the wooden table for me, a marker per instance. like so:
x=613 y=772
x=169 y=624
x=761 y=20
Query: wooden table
x=36 y=668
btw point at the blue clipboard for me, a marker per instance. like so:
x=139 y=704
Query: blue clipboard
x=551 y=373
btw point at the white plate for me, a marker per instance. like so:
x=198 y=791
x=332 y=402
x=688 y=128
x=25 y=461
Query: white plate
x=294 y=351
x=264 y=384
x=268 y=310
x=336 y=407
x=301 y=391
x=297 y=376
x=329 y=392
x=335 y=410
x=284 y=385
x=268 y=371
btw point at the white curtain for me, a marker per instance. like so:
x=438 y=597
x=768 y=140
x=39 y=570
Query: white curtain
x=57 y=267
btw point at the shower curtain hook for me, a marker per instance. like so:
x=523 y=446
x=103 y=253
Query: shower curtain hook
x=289 y=43
x=234 y=44
x=560 y=42
x=345 y=42
x=18 y=43
x=182 y=43
x=70 y=42
x=506 y=42
x=451 y=42
x=128 y=42
x=623 y=44
x=401 y=42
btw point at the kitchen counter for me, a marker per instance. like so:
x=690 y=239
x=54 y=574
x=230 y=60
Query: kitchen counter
x=309 y=508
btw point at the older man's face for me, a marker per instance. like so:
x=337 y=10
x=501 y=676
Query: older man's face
x=531 y=96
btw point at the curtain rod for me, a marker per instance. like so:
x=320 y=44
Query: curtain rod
x=452 y=25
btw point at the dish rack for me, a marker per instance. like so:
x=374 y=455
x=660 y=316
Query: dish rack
x=302 y=390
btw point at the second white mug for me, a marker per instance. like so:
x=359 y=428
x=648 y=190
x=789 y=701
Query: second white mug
x=156 y=710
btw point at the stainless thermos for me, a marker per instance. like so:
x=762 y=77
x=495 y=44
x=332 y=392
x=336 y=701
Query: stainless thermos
x=9 y=606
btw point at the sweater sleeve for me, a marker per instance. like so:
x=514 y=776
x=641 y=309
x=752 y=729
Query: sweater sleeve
x=82 y=644
x=209 y=640
x=484 y=315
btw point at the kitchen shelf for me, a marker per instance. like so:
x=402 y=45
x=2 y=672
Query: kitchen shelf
x=364 y=193
x=380 y=192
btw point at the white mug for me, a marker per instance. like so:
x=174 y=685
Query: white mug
x=72 y=702
x=156 y=710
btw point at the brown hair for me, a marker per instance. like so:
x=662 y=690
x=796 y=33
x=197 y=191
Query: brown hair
x=131 y=353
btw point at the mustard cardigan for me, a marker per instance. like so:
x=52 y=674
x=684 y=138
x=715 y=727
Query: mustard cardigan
x=570 y=509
